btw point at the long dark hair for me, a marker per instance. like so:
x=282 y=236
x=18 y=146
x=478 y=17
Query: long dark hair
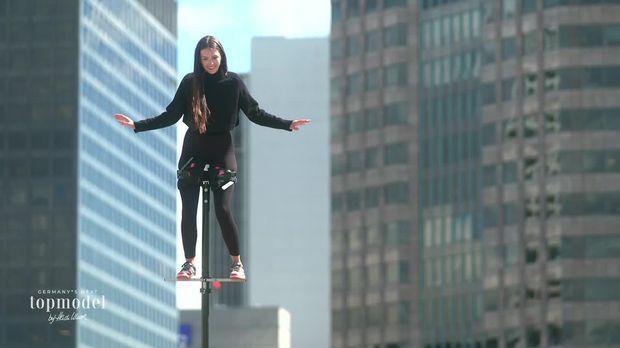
x=200 y=109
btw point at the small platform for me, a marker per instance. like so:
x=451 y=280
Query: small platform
x=209 y=280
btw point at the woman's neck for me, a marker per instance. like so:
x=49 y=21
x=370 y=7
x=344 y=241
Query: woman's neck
x=212 y=77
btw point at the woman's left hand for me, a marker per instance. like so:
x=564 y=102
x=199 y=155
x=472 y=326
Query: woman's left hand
x=298 y=123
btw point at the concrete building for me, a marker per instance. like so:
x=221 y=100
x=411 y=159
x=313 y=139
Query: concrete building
x=374 y=156
x=511 y=171
x=287 y=186
x=549 y=105
x=509 y=167
x=86 y=204
x=249 y=327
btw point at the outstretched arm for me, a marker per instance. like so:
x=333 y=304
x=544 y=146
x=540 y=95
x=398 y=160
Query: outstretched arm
x=173 y=112
x=250 y=108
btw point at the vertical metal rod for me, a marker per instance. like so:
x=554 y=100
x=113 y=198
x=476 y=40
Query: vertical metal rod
x=206 y=287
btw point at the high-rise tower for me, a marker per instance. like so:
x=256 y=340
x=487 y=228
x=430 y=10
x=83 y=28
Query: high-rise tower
x=87 y=204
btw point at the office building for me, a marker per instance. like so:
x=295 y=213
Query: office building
x=87 y=204
x=248 y=327
x=512 y=179
x=287 y=180
x=549 y=97
x=374 y=168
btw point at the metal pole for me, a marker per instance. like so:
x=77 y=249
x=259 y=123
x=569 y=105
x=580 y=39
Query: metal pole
x=206 y=289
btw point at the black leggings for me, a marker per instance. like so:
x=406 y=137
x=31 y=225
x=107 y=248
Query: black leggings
x=215 y=150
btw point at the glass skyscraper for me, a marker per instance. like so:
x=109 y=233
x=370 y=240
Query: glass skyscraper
x=87 y=204
x=512 y=180
x=450 y=249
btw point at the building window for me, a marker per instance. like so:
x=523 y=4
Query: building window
x=596 y=161
x=372 y=197
x=589 y=35
x=394 y=3
x=373 y=118
x=395 y=35
x=372 y=157
x=371 y=6
x=338 y=126
x=427 y=71
x=396 y=75
x=337 y=49
x=488 y=176
x=509 y=89
x=475 y=24
x=509 y=48
x=372 y=79
x=354 y=161
x=336 y=12
x=355 y=240
x=353 y=8
x=550 y=39
x=396 y=114
x=338 y=164
x=373 y=274
x=580 y=120
x=335 y=88
x=396 y=153
x=466 y=20
x=337 y=202
x=590 y=247
x=488 y=11
x=355 y=122
x=427 y=35
x=530 y=43
x=607 y=203
x=488 y=52
x=354 y=83
x=488 y=134
x=553 y=3
x=372 y=40
x=373 y=237
x=509 y=8
x=397 y=313
x=354 y=200
x=529 y=6
x=354 y=45
x=396 y=193
x=436 y=32
x=375 y=315
x=509 y=172
x=397 y=232
x=598 y=77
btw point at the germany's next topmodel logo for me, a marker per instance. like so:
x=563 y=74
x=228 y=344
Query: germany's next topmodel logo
x=63 y=305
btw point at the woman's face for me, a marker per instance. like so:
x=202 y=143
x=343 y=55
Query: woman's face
x=210 y=59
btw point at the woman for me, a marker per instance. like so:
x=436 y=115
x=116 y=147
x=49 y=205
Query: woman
x=209 y=100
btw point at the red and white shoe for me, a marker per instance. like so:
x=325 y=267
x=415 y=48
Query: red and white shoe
x=237 y=272
x=187 y=271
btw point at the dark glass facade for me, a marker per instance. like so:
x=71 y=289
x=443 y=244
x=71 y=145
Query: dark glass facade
x=451 y=255
x=85 y=203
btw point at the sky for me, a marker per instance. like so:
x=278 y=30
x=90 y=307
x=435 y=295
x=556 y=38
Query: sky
x=235 y=23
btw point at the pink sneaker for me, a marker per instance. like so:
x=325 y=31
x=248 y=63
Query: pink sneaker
x=187 y=271
x=237 y=272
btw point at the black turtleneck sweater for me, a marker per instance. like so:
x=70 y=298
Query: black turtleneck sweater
x=225 y=95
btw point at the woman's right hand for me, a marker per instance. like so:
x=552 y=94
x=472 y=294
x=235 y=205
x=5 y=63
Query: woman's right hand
x=125 y=120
